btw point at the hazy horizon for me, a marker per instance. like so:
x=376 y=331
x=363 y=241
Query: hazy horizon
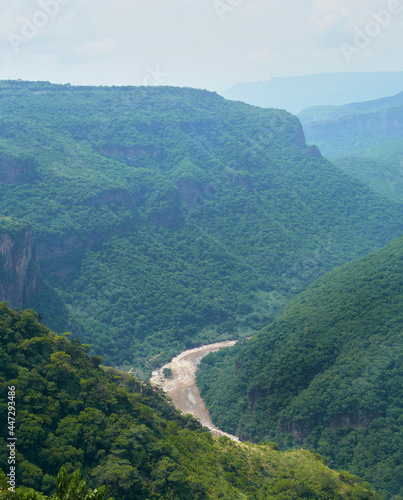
x=210 y=44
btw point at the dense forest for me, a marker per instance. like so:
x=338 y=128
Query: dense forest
x=326 y=374
x=165 y=218
x=126 y=438
x=148 y=220
x=364 y=139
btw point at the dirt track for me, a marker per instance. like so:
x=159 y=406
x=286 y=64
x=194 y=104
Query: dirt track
x=182 y=387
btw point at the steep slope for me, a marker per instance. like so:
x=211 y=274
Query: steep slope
x=19 y=269
x=365 y=139
x=297 y=93
x=124 y=434
x=354 y=127
x=320 y=114
x=165 y=218
x=326 y=373
x=380 y=167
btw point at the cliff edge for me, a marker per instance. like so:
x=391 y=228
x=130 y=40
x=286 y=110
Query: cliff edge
x=19 y=267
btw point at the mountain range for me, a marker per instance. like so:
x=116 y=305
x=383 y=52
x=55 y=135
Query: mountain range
x=328 y=89
x=149 y=220
x=164 y=218
x=365 y=139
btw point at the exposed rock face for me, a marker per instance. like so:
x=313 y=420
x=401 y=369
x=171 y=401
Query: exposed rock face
x=369 y=129
x=130 y=153
x=169 y=217
x=119 y=197
x=19 y=268
x=302 y=431
x=313 y=152
x=62 y=258
x=193 y=192
x=16 y=170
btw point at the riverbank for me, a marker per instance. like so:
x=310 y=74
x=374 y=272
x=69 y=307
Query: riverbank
x=182 y=388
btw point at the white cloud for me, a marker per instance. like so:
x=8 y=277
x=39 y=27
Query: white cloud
x=324 y=54
x=262 y=55
x=102 y=48
x=328 y=13
x=255 y=40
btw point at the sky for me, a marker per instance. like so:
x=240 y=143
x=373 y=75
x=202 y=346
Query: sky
x=211 y=44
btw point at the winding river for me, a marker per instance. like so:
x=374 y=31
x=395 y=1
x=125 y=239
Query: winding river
x=182 y=388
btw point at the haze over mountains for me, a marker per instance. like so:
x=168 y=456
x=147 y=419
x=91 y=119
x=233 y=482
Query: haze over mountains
x=297 y=93
x=365 y=139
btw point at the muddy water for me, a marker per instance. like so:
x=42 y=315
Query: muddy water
x=182 y=386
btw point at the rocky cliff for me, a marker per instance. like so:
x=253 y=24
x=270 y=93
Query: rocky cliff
x=345 y=130
x=17 y=169
x=355 y=132
x=19 y=266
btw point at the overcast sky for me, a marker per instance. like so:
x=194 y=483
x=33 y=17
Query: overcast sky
x=209 y=44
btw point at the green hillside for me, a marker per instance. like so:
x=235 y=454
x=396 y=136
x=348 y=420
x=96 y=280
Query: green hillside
x=364 y=139
x=351 y=134
x=321 y=114
x=381 y=167
x=165 y=218
x=326 y=374
x=12 y=226
x=124 y=434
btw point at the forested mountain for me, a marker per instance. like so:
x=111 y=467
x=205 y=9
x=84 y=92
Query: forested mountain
x=342 y=130
x=125 y=435
x=327 y=373
x=380 y=167
x=164 y=217
x=365 y=139
x=321 y=114
x=299 y=92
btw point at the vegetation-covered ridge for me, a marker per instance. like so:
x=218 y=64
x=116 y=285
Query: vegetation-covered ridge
x=12 y=226
x=365 y=139
x=165 y=218
x=320 y=114
x=318 y=90
x=326 y=374
x=125 y=435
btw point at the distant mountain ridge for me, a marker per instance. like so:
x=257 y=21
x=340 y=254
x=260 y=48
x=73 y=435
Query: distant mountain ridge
x=325 y=113
x=300 y=92
x=365 y=139
x=354 y=127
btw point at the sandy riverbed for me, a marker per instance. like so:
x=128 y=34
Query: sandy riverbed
x=182 y=386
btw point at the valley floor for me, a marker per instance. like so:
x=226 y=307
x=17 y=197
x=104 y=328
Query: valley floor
x=182 y=388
